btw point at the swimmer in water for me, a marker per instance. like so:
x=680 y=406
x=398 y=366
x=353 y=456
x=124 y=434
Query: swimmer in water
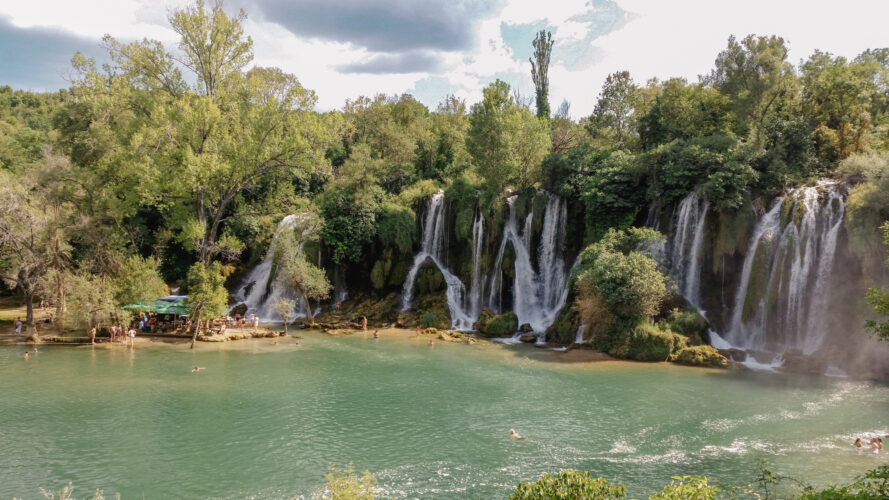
x=196 y=369
x=857 y=443
x=27 y=355
x=514 y=434
x=376 y=334
x=430 y=342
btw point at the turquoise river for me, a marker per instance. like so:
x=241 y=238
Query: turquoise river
x=264 y=421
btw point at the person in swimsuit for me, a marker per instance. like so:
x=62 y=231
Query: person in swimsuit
x=195 y=369
x=26 y=356
x=376 y=334
x=514 y=434
x=857 y=443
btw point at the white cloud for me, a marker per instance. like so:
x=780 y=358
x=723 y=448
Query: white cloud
x=662 y=39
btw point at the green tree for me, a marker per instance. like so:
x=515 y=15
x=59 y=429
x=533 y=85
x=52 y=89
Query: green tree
x=543 y=49
x=626 y=280
x=205 y=145
x=296 y=273
x=507 y=142
x=27 y=233
x=207 y=295
x=284 y=308
x=139 y=280
x=612 y=118
x=756 y=75
x=836 y=99
x=569 y=484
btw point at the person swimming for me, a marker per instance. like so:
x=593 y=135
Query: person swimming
x=376 y=334
x=196 y=369
x=430 y=343
x=876 y=444
x=514 y=434
x=27 y=355
x=857 y=443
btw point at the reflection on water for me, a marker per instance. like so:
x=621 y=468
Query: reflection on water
x=264 y=420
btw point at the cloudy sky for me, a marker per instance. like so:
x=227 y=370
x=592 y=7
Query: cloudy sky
x=431 y=48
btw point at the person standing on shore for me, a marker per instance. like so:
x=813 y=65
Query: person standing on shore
x=18 y=326
x=93 y=336
x=364 y=323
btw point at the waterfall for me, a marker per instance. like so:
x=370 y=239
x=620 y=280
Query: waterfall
x=578 y=336
x=474 y=304
x=781 y=300
x=431 y=250
x=537 y=296
x=686 y=244
x=260 y=289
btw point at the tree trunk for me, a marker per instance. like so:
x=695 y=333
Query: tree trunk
x=29 y=317
x=309 y=320
x=285 y=327
x=197 y=326
x=29 y=309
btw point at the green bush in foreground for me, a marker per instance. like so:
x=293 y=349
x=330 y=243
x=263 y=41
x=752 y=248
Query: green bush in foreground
x=687 y=488
x=569 y=484
x=345 y=484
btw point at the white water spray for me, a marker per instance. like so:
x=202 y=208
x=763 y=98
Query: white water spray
x=781 y=298
x=686 y=245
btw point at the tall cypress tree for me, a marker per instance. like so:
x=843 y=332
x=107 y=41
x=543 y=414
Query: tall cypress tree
x=543 y=47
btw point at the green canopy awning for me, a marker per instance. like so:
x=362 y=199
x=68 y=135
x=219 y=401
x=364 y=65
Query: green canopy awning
x=161 y=306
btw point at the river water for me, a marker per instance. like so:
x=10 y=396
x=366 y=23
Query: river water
x=265 y=421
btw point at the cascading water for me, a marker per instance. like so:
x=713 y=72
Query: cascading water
x=431 y=250
x=686 y=244
x=260 y=289
x=537 y=296
x=781 y=298
x=578 y=336
x=474 y=301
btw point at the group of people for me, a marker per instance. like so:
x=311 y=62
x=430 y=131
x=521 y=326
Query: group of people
x=119 y=333
x=241 y=321
x=875 y=444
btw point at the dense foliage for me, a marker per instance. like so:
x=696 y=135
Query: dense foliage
x=174 y=156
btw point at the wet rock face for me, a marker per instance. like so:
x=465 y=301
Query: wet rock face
x=526 y=328
x=240 y=310
x=793 y=360
x=701 y=355
x=738 y=355
x=528 y=338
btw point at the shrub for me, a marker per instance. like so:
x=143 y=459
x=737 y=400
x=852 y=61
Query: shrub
x=689 y=323
x=649 y=343
x=346 y=485
x=494 y=325
x=687 y=488
x=569 y=484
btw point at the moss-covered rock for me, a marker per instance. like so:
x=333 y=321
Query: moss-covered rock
x=430 y=311
x=640 y=342
x=496 y=325
x=430 y=279
x=688 y=322
x=701 y=355
x=564 y=328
